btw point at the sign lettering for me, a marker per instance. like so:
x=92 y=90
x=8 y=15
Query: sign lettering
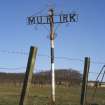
x=63 y=18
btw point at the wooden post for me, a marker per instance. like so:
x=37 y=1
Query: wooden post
x=85 y=80
x=28 y=75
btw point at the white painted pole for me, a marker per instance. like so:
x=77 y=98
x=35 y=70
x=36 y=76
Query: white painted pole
x=52 y=55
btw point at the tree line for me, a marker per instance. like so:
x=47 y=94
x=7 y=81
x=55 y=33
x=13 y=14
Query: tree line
x=66 y=77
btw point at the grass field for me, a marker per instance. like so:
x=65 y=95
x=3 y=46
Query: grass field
x=10 y=94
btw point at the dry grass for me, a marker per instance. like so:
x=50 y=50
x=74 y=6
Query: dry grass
x=10 y=94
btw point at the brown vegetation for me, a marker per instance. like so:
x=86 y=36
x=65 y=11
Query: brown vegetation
x=66 y=77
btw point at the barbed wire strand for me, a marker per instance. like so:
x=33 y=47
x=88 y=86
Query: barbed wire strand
x=43 y=55
x=16 y=68
x=56 y=57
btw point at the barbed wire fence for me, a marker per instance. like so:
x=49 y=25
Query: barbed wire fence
x=47 y=56
x=71 y=63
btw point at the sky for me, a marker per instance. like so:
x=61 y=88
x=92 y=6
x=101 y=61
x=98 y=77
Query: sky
x=85 y=38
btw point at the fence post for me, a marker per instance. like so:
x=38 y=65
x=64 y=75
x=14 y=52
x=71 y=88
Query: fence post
x=85 y=80
x=28 y=75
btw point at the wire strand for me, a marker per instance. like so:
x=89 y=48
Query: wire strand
x=56 y=57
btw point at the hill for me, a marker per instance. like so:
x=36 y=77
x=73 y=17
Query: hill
x=62 y=76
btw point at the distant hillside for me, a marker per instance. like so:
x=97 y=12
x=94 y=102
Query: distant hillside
x=63 y=77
